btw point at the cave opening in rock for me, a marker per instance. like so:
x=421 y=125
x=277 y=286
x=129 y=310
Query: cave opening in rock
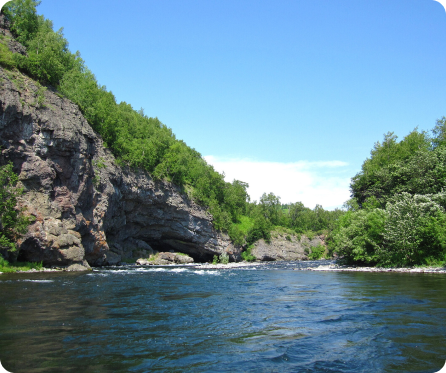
x=30 y=251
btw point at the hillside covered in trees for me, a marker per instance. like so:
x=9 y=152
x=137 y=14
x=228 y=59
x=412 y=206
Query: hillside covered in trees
x=140 y=142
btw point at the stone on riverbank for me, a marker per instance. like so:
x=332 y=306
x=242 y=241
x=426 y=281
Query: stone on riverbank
x=166 y=258
x=286 y=247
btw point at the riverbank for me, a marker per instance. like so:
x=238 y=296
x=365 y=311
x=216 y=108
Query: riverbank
x=333 y=267
x=344 y=268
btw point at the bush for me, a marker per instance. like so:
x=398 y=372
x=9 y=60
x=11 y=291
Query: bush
x=6 y=57
x=360 y=236
x=237 y=236
x=317 y=252
x=247 y=256
x=415 y=229
x=13 y=224
x=7 y=267
x=260 y=229
x=224 y=258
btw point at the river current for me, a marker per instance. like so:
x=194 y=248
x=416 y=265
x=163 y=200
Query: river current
x=266 y=318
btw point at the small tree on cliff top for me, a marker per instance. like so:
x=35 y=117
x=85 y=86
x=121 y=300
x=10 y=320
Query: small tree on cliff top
x=12 y=221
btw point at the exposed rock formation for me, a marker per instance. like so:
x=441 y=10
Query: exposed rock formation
x=166 y=258
x=285 y=247
x=88 y=211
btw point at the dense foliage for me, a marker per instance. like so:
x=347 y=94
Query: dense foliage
x=269 y=214
x=12 y=221
x=397 y=213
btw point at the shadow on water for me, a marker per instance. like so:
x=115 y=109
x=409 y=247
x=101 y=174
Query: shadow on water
x=265 y=319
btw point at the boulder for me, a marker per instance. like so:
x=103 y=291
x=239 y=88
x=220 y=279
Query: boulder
x=166 y=258
x=286 y=247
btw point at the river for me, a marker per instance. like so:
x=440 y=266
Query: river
x=267 y=318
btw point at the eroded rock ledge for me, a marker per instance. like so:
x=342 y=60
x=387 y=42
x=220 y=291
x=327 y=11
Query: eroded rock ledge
x=89 y=211
x=286 y=247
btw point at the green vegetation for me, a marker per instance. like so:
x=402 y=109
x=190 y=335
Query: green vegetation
x=223 y=258
x=247 y=256
x=13 y=223
x=128 y=260
x=317 y=252
x=269 y=215
x=7 y=267
x=397 y=213
x=6 y=56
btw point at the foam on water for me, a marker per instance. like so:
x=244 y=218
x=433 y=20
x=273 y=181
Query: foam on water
x=207 y=272
x=178 y=270
x=96 y=273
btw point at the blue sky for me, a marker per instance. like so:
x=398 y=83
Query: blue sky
x=289 y=96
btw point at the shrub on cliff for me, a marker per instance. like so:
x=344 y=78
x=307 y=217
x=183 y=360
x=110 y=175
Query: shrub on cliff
x=12 y=221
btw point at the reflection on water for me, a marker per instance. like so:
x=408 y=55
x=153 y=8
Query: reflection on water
x=264 y=319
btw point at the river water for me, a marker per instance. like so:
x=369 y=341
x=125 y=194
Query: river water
x=267 y=318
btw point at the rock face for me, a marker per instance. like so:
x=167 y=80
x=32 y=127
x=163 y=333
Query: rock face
x=88 y=211
x=166 y=258
x=285 y=247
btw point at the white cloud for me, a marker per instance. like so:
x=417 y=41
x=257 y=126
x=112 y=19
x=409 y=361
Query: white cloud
x=311 y=183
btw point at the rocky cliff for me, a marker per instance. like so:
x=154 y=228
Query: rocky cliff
x=286 y=247
x=89 y=211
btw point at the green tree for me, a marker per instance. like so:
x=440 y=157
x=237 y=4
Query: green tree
x=393 y=167
x=415 y=229
x=299 y=217
x=439 y=133
x=13 y=223
x=24 y=19
x=271 y=208
x=236 y=198
x=359 y=236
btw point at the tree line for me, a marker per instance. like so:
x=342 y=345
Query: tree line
x=397 y=216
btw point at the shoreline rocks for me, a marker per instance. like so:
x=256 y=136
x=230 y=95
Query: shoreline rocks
x=285 y=247
x=166 y=258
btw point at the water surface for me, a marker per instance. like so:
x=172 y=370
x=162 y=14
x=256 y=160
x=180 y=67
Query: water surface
x=268 y=318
